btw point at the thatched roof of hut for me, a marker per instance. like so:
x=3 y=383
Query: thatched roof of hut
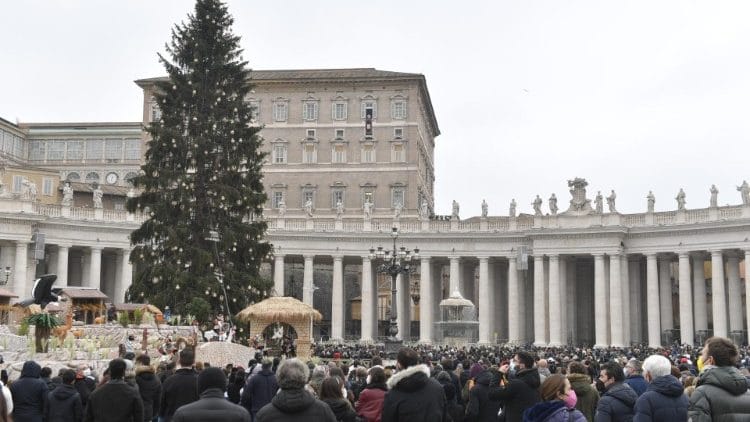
x=281 y=309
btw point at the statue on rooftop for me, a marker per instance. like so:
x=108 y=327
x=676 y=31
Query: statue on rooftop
x=611 y=201
x=454 y=213
x=339 y=209
x=714 y=196
x=484 y=208
x=97 y=196
x=599 y=201
x=512 y=210
x=553 y=204
x=680 y=200
x=67 y=199
x=744 y=190
x=537 y=204
x=650 y=201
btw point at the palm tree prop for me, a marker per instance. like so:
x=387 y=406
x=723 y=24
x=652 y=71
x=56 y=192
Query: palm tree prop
x=44 y=323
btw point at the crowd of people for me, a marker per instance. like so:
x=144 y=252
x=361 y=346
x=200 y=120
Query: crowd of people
x=356 y=383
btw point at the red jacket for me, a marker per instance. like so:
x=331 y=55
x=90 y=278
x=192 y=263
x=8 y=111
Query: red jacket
x=370 y=404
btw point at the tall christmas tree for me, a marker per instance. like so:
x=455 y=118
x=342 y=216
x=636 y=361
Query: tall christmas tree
x=202 y=187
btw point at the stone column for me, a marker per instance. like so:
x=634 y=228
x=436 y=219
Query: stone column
x=616 y=299
x=636 y=305
x=687 y=330
x=307 y=280
x=455 y=274
x=19 y=269
x=278 y=274
x=665 y=292
x=555 y=302
x=699 y=292
x=62 y=265
x=564 y=299
x=337 y=300
x=403 y=300
x=540 y=310
x=126 y=276
x=514 y=311
x=572 y=299
x=367 y=309
x=747 y=287
x=485 y=297
x=468 y=277
x=95 y=267
x=734 y=290
x=625 y=282
x=652 y=301
x=426 y=299
x=601 y=321
x=718 y=295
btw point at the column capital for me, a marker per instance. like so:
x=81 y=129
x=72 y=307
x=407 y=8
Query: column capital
x=484 y=258
x=651 y=255
x=554 y=257
x=538 y=257
x=716 y=252
x=96 y=247
x=366 y=258
x=308 y=256
x=684 y=255
x=698 y=254
x=338 y=257
x=598 y=255
x=22 y=242
x=278 y=255
x=64 y=245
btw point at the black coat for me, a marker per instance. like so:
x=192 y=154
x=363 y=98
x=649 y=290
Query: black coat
x=29 y=394
x=149 y=387
x=342 y=409
x=259 y=390
x=664 y=400
x=480 y=407
x=520 y=393
x=413 y=397
x=115 y=401
x=295 y=405
x=85 y=386
x=63 y=405
x=616 y=404
x=178 y=390
x=212 y=406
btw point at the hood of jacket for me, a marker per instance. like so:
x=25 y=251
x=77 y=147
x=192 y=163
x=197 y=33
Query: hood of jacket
x=667 y=385
x=484 y=378
x=293 y=400
x=31 y=369
x=530 y=377
x=543 y=410
x=623 y=393
x=338 y=406
x=64 y=391
x=581 y=384
x=727 y=378
x=144 y=370
x=376 y=386
x=410 y=379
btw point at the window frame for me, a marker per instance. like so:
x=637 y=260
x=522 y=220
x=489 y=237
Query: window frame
x=310 y=110
x=313 y=158
x=338 y=153
x=281 y=110
x=280 y=159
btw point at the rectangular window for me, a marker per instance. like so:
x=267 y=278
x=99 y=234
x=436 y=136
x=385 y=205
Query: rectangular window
x=119 y=206
x=94 y=150
x=47 y=189
x=368 y=196
x=336 y=196
x=398 y=133
x=368 y=153
x=278 y=197
x=155 y=112
x=308 y=195
x=113 y=149
x=339 y=134
x=397 y=198
x=339 y=154
x=398 y=110
x=18 y=146
x=56 y=150
x=310 y=134
x=17 y=182
x=371 y=106
x=279 y=112
x=398 y=154
x=279 y=154
x=310 y=110
x=339 y=111
x=37 y=150
x=309 y=155
x=75 y=151
x=132 y=149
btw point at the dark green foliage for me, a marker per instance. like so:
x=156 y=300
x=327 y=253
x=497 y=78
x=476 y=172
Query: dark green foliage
x=43 y=323
x=199 y=309
x=201 y=182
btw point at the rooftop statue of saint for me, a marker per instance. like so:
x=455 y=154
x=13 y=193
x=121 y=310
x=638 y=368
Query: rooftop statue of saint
x=650 y=201
x=553 y=204
x=512 y=210
x=680 y=200
x=454 y=214
x=599 y=201
x=339 y=209
x=397 y=210
x=424 y=210
x=611 y=201
x=537 y=204
x=714 y=196
x=744 y=190
x=282 y=208
x=484 y=208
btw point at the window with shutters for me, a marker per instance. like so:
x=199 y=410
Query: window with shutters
x=339 y=111
x=279 y=154
x=339 y=153
x=398 y=153
x=368 y=153
x=310 y=111
x=280 y=112
x=309 y=154
x=48 y=186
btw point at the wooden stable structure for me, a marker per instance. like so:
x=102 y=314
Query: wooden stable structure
x=287 y=310
x=6 y=310
x=130 y=309
x=89 y=303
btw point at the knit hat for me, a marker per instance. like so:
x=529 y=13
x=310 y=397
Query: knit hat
x=475 y=370
x=211 y=378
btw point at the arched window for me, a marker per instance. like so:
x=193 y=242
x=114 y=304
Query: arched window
x=129 y=177
x=74 y=177
x=92 y=177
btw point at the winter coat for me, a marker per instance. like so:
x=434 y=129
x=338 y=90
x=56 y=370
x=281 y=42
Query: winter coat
x=370 y=403
x=552 y=411
x=480 y=408
x=665 y=400
x=258 y=391
x=149 y=387
x=212 y=406
x=521 y=392
x=722 y=395
x=588 y=397
x=414 y=396
x=29 y=394
x=115 y=401
x=637 y=383
x=63 y=405
x=178 y=390
x=342 y=409
x=295 y=405
x=84 y=385
x=616 y=404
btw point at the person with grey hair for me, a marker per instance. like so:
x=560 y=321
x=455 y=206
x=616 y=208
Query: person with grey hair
x=259 y=389
x=665 y=399
x=634 y=377
x=293 y=402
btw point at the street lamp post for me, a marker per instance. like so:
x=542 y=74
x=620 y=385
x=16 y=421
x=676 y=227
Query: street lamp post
x=396 y=261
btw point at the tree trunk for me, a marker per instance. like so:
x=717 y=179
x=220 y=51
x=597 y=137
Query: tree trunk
x=41 y=335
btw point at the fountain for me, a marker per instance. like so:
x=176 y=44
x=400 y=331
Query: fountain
x=459 y=324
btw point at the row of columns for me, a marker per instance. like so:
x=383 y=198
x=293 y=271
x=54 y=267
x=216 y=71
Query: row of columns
x=23 y=269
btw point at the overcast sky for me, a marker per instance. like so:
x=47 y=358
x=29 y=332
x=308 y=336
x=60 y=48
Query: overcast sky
x=632 y=95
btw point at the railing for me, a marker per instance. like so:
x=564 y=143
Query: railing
x=663 y=218
x=697 y=216
x=440 y=226
x=82 y=213
x=501 y=225
x=727 y=213
x=631 y=220
x=47 y=210
x=115 y=215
